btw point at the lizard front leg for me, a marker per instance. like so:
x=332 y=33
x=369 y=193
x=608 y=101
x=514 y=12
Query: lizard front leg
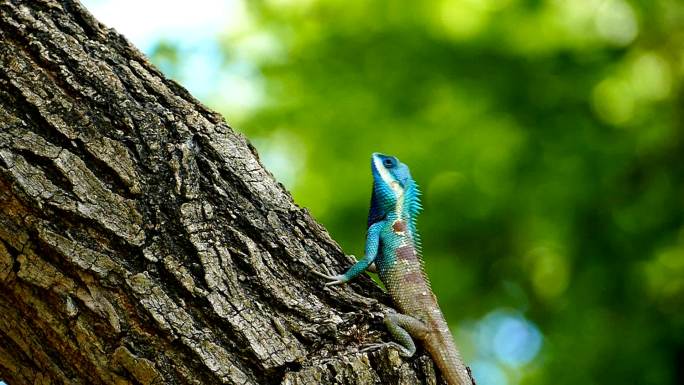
x=372 y=245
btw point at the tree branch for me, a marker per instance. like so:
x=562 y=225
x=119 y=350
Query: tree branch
x=141 y=240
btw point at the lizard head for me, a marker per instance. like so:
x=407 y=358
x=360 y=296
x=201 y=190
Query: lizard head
x=391 y=180
x=390 y=173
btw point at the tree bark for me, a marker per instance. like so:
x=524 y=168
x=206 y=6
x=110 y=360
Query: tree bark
x=141 y=240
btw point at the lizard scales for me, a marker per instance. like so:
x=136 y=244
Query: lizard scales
x=393 y=244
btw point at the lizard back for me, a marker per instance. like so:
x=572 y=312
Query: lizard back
x=401 y=270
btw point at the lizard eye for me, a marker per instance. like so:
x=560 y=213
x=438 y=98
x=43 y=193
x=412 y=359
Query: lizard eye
x=388 y=162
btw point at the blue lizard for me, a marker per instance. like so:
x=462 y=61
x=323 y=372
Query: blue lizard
x=393 y=245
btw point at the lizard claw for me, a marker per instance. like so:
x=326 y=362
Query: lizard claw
x=337 y=279
x=392 y=345
x=381 y=345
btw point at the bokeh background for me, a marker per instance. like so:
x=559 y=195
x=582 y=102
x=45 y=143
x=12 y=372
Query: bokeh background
x=547 y=136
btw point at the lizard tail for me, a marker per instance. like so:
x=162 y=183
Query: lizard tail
x=448 y=359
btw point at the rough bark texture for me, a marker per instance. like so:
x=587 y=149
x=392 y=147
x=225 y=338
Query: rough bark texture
x=142 y=242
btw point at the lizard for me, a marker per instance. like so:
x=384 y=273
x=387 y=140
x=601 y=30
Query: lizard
x=393 y=250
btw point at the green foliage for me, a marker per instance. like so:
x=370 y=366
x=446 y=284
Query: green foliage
x=548 y=139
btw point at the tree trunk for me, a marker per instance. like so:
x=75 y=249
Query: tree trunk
x=141 y=240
